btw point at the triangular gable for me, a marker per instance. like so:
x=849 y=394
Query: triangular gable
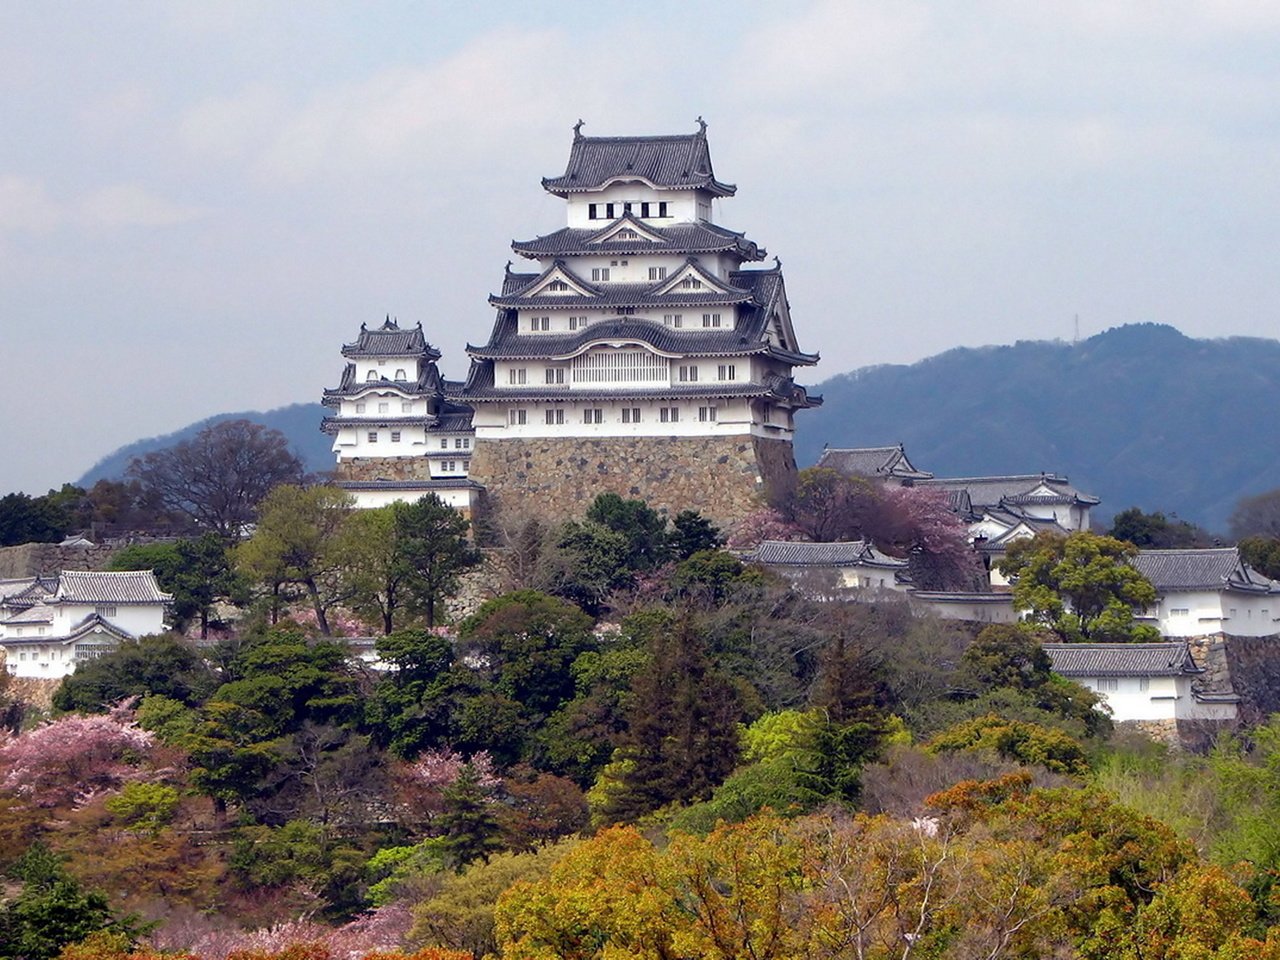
x=559 y=281
x=692 y=279
x=779 y=331
x=627 y=229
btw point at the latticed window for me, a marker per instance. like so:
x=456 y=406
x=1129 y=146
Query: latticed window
x=620 y=366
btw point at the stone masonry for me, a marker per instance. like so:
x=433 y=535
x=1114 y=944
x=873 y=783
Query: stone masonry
x=384 y=468
x=723 y=478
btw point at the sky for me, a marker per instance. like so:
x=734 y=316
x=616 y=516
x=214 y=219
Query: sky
x=200 y=202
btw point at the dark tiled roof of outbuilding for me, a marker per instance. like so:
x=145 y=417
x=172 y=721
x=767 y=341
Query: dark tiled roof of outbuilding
x=676 y=162
x=678 y=238
x=96 y=586
x=871 y=462
x=1015 y=489
x=389 y=340
x=785 y=553
x=1209 y=568
x=1121 y=659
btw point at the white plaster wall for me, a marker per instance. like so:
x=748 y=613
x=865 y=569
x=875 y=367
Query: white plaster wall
x=43 y=661
x=1239 y=614
x=733 y=417
x=681 y=204
x=387 y=367
x=461 y=499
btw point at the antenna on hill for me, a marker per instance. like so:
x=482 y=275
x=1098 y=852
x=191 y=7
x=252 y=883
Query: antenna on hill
x=1077 y=333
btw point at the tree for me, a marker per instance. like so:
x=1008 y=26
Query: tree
x=197 y=572
x=469 y=823
x=375 y=570
x=1256 y=516
x=920 y=523
x=27 y=519
x=1082 y=586
x=297 y=541
x=165 y=664
x=829 y=505
x=432 y=540
x=218 y=477
x=644 y=529
x=1263 y=554
x=1155 y=531
x=692 y=533
x=412 y=705
x=682 y=736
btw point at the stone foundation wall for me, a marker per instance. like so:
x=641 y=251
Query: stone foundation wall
x=32 y=559
x=384 y=468
x=724 y=478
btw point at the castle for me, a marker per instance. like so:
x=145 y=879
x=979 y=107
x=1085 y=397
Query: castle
x=639 y=357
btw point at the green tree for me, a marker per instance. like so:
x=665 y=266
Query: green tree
x=27 y=519
x=412 y=705
x=432 y=540
x=52 y=910
x=297 y=541
x=692 y=533
x=164 y=664
x=682 y=734
x=1256 y=516
x=1081 y=586
x=197 y=572
x=644 y=528
x=594 y=563
x=469 y=825
x=375 y=570
x=1263 y=554
x=1155 y=531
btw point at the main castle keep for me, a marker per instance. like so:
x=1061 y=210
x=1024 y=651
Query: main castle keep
x=640 y=357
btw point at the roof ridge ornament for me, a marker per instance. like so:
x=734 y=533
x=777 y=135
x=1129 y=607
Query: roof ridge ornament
x=702 y=126
x=577 y=130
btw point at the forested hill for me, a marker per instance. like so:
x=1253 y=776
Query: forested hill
x=1139 y=415
x=300 y=422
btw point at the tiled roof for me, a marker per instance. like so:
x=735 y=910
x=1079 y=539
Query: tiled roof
x=990 y=491
x=680 y=162
x=427 y=384
x=94 y=586
x=25 y=591
x=481 y=389
x=622 y=294
x=36 y=613
x=784 y=553
x=1121 y=659
x=389 y=340
x=871 y=462
x=700 y=237
x=1210 y=568
x=436 y=483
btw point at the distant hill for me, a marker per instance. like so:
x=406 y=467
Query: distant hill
x=300 y=422
x=1140 y=416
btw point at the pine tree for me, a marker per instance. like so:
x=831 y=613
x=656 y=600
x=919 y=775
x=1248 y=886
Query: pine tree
x=682 y=736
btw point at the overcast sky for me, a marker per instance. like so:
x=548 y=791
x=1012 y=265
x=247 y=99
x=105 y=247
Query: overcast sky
x=200 y=202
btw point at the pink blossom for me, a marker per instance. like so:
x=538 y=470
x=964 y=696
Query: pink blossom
x=73 y=757
x=765 y=524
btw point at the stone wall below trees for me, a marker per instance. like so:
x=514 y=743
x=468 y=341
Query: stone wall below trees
x=384 y=468
x=32 y=559
x=723 y=478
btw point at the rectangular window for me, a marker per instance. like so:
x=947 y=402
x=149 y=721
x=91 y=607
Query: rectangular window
x=517 y=377
x=360 y=407
x=577 y=323
x=728 y=371
x=690 y=283
x=1144 y=684
x=1185 y=611
x=384 y=408
x=662 y=209
x=444 y=444
x=1108 y=684
x=630 y=414
x=644 y=209
x=626 y=207
x=555 y=416
x=555 y=374
x=711 y=319
x=673 y=319
x=406 y=406
x=766 y=413
x=105 y=610
x=373 y=436
x=608 y=211
x=669 y=414
x=395 y=436
x=457 y=443
x=591 y=211
x=466 y=443
x=593 y=415
x=688 y=374
x=707 y=414
x=539 y=323
x=599 y=273
x=517 y=418
x=657 y=273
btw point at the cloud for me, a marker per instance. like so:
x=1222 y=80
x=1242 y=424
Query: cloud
x=25 y=205
x=132 y=205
